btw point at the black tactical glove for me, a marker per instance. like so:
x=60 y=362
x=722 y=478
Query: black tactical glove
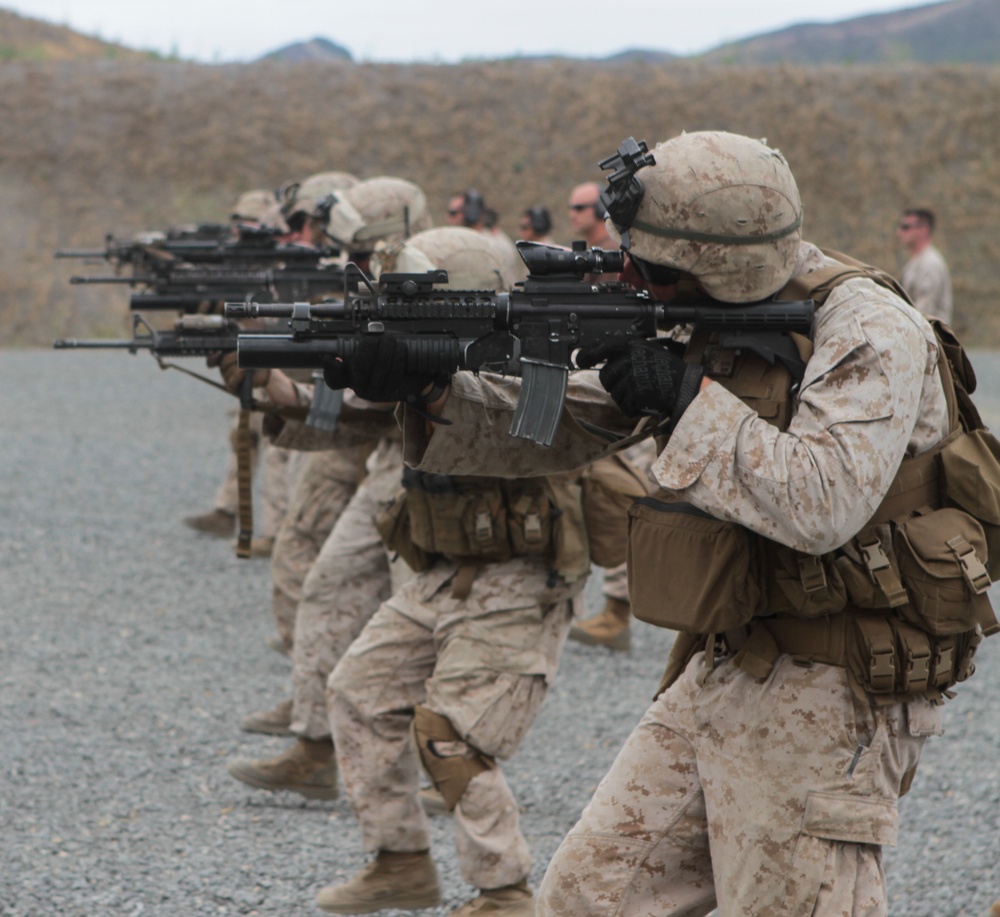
x=377 y=372
x=645 y=376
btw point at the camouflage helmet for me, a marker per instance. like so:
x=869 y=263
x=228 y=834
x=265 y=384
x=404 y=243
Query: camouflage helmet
x=258 y=206
x=310 y=195
x=721 y=207
x=470 y=258
x=380 y=209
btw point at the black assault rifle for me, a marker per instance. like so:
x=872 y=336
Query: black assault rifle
x=152 y=261
x=531 y=332
x=191 y=336
x=184 y=288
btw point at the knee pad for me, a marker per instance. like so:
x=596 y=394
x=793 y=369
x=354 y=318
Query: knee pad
x=448 y=759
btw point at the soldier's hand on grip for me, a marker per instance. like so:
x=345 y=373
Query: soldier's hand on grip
x=377 y=371
x=645 y=376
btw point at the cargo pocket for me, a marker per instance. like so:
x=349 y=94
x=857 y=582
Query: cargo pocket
x=688 y=570
x=942 y=556
x=851 y=819
x=831 y=819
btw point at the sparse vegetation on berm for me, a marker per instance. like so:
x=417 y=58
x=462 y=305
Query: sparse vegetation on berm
x=130 y=143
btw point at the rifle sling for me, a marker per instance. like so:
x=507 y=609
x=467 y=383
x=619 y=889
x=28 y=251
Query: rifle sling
x=165 y=365
x=244 y=483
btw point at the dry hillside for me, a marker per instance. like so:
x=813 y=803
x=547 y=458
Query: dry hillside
x=957 y=31
x=96 y=146
x=25 y=38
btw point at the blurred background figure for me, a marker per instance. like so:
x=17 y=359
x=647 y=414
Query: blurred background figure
x=469 y=209
x=586 y=216
x=925 y=275
x=535 y=225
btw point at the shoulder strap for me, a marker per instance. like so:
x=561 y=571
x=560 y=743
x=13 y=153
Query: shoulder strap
x=819 y=284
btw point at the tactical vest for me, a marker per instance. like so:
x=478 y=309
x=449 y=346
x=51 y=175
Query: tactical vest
x=902 y=605
x=473 y=520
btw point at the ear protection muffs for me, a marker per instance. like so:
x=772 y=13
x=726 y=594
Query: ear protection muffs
x=473 y=207
x=541 y=222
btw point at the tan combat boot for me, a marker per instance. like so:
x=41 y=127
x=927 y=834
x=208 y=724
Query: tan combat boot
x=402 y=880
x=995 y=910
x=308 y=768
x=609 y=627
x=218 y=523
x=273 y=722
x=509 y=901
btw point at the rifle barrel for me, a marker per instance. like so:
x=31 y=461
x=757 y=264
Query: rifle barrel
x=78 y=278
x=75 y=343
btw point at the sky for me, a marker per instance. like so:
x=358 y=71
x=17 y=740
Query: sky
x=444 y=31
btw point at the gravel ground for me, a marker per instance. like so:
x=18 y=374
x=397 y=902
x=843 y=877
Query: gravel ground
x=130 y=647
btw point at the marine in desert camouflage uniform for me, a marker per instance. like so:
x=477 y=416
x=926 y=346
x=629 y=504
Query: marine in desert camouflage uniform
x=328 y=477
x=255 y=208
x=351 y=577
x=462 y=654
x=328 y=580
x=760 y=781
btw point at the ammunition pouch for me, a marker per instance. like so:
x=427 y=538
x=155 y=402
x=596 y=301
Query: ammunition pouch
x=887 y=658
x=473 y=520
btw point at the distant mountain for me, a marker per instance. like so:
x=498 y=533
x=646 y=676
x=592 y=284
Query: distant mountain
x=958 y=31
x=951 y=32
x=640 y=54
x=316 y=49
x=22 y=38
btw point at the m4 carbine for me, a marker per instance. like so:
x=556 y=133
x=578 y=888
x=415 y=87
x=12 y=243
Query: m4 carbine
x=186 y=288
x=531 y=332
x=191 y=336
x=155 y=261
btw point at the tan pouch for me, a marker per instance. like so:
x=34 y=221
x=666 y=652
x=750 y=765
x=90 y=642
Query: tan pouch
x=570 y=552
x=484 y=523
x=690 y=571
x=393 y=524
x=941 y=557
x=805 y=585
x=458 y=517
x=872 y=657
x=860 y=586
x=529 y=521
x=971 y=466
x=609 y=488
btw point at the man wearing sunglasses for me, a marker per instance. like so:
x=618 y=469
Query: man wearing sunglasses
x=925 y=275
x=805 y=676
x=586 y=216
